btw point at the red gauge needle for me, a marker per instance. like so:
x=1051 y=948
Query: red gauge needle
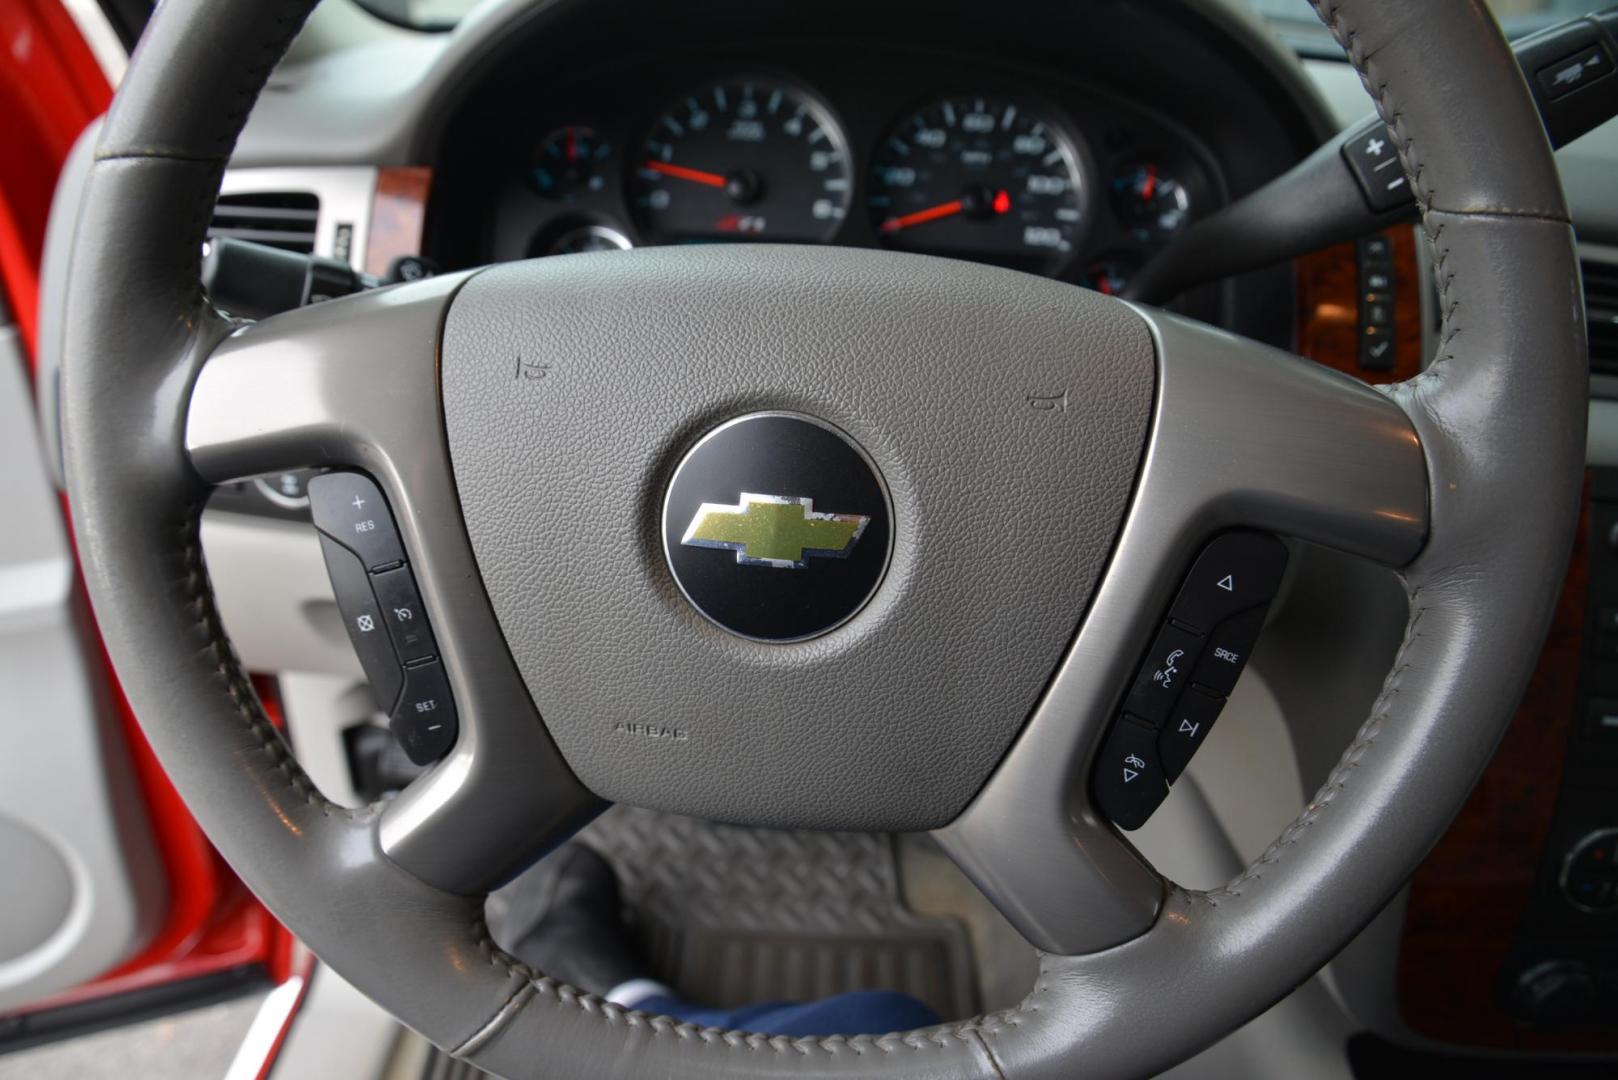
x=1000 y=204
x=1148 y=189
x=921 y=217
x=680 y=172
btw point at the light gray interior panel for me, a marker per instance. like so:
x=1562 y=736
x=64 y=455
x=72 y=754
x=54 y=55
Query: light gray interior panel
x=274 y=595
x=81 y=887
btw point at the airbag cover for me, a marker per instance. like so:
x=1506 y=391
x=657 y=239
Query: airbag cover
x=1006 y=414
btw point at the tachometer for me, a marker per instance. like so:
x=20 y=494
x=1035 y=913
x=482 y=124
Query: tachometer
x=979 y=177
x=748 y=159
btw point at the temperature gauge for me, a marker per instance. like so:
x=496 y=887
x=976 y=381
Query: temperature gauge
x=1109 y=276
x=570 y=162
x=1152 y=203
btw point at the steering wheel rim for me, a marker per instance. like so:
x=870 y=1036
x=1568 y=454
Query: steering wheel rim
x=1499 y=415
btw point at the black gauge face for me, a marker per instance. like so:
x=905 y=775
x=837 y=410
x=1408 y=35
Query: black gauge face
x=982 y=178
x=1153 y=204
x=570 y=161
x=743 y=160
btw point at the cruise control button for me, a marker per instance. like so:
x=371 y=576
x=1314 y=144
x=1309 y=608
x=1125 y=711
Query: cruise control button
x=350 y=509
x=1374 y=160
x=1164 y=673
x=1193 y=716
x=1575 y=72
x=362 y=618
x=402 y=611
x=1236 y=571
x=1228 y=648
x=1129 y=783
x=424 y=720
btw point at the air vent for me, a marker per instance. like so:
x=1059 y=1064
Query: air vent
x=283 y=219
x=1601 y=310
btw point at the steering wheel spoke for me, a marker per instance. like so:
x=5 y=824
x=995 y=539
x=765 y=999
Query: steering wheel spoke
x=352 y=385
x=1242 y=436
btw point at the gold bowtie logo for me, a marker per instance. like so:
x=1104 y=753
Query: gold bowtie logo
x=769 y=530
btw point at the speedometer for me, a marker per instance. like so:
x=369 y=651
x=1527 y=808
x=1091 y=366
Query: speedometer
x=982 y=178
x=742 y=160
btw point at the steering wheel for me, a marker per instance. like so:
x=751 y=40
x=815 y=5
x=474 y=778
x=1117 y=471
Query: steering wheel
x=1048 y=458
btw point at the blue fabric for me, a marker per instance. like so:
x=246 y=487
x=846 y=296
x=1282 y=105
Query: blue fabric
x=862 y=1012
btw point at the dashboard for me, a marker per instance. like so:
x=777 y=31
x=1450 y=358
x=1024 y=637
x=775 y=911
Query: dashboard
x=867 y=147
x=1052 y=140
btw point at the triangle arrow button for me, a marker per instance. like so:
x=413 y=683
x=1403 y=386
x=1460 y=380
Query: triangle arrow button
x=1228 y=583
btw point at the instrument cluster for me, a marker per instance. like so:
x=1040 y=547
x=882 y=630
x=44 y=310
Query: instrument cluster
x=1066 y=184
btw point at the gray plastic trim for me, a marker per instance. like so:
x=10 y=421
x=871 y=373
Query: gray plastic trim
x=354 y=383
x=345 y=193
x=318 y=710
x=1242 y=435
x=81 y=889
x=274 y=596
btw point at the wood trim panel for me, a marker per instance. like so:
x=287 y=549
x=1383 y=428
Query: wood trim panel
x=398 y=215
x=1468 y=898
x=1329 y=304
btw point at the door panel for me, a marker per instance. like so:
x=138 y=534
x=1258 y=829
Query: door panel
x=113 y=904
x=82 y=889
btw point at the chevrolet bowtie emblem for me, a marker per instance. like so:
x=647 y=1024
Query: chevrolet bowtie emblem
x=768 y=530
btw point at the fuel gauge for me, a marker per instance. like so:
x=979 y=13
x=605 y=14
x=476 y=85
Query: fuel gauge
x=569 y=162
x=1152 y=203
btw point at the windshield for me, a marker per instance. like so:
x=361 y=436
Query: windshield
x=420 y=14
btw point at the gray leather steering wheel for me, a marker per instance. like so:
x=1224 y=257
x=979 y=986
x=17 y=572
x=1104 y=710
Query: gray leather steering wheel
x=530 y=519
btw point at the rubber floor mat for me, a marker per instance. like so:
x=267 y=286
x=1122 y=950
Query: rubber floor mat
x=732 y=916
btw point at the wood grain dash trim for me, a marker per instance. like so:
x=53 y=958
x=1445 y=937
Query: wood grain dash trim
x=398 y=215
